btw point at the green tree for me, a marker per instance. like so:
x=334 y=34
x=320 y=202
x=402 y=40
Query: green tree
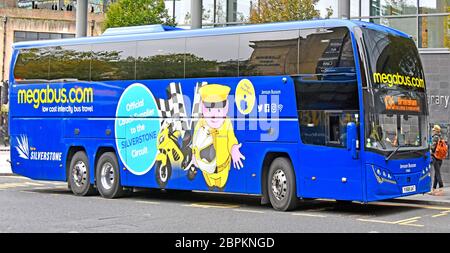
x=137 y=12
x=283 y=10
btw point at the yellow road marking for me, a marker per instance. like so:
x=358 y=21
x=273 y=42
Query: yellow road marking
x=406 y=220
x=247 y=211
x=376 y=221
x=27 y=192
x=18 y=177
x=213 y=205
x=33 y=184
x=11 y=185
x=309 y=215
x=410 y=205
x=148 y=202
x=441 y=214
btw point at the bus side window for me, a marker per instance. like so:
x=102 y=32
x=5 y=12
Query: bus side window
x=326 y=88
x=212 y=56
x=113 y=61
x=160 y=59
x=334 y=130
x=70 y=63
x=269 y=53
x=32 y=64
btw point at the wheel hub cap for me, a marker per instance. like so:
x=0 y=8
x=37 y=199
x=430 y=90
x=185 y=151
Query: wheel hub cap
x=79 y=173
x=107 y=176
x=279 y=185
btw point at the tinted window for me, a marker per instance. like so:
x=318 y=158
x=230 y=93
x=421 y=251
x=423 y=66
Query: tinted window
x=394 y=61
x=32 y=64
x=160 y=59
x=326 y=51
x=113 y=61
x=327 y=94
x=70 y=62
x=273 y=53
x=325 y=128
x=326 y=103
x=215 y=56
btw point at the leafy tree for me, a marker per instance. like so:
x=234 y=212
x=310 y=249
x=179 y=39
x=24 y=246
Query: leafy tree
x=283 y=10
x=137 y=12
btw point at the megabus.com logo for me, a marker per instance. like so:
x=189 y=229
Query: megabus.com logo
x=397 y=79
x=48 y=95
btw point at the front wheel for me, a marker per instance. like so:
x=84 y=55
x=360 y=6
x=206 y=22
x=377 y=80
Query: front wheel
x=281 y=185
x=108 y=176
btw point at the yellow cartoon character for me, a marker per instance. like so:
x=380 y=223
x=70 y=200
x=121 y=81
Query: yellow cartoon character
x=214 y=144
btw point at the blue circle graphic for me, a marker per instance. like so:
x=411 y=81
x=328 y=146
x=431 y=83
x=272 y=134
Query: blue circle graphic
x=136 y=127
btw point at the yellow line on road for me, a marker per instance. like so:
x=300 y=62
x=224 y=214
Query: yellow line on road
x=17 y=177
x=376 y=221
x=33 y=184
x=11 y=185
x=148 y=202
x=213 y=205
x=309 y=215
x=410 y=205
x=248 y=211
x=406 y=220
x=445 y=213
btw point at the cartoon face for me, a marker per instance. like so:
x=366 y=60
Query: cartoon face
x=215 y=113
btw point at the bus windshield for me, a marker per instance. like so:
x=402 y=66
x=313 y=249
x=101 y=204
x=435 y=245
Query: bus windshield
x=395 y=100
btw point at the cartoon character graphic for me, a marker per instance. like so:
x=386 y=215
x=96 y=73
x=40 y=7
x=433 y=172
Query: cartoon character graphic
x=170 y=153
x=214 y=145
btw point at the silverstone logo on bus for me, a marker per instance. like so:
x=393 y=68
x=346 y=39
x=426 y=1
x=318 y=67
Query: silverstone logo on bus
x=58 y=100
x=27 y=153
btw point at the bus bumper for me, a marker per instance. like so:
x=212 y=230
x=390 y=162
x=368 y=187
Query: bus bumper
x=382 y=184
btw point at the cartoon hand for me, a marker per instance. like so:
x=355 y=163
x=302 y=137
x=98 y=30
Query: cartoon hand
x=236 y=156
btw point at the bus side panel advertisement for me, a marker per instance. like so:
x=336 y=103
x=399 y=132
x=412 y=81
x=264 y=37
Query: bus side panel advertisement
x=185 y=134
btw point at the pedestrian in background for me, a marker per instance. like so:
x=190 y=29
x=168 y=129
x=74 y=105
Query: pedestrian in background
x=439 y=151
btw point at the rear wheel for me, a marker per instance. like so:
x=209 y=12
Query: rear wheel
x=79 y=175
x=281 y=185
x=108 y=176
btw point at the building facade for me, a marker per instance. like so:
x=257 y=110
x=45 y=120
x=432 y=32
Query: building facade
x=42 y=22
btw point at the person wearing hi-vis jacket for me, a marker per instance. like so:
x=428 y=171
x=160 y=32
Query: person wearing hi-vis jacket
x=215 y=146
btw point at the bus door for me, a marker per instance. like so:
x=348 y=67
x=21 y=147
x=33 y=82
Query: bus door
x=327 y=167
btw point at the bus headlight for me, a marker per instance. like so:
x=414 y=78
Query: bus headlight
x=383 y=176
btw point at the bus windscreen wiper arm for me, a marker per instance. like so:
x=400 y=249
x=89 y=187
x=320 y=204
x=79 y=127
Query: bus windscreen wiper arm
x=392 y=153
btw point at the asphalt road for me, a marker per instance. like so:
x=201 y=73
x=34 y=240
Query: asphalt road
x=36 y=206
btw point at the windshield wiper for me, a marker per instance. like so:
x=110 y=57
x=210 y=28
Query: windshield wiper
x=419 y=152
x=392 y=153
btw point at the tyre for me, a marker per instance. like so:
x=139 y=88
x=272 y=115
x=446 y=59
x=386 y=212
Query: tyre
x=108 y=176
x=163 y=174
x=79 y=175
x=281 y=185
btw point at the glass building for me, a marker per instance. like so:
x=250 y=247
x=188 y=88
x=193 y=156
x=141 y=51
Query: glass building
x=428 y=21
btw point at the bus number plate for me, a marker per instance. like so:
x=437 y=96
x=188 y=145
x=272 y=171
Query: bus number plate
x=408 y=189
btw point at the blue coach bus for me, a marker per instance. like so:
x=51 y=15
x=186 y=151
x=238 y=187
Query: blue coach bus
x=316 y=109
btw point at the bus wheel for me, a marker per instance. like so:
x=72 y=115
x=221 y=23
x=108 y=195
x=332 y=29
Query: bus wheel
x=163 y=173
x=79 y=175
x=108 y=176
x=281 y=185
